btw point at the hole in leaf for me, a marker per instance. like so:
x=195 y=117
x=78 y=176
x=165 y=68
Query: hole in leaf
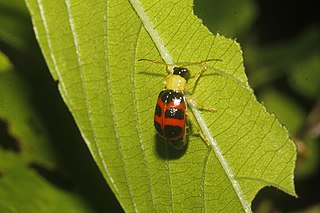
x=54 y=176
x=7 y=141
x=1 y=174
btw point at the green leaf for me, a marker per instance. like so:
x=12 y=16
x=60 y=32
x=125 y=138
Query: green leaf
x=279 y=103
x=25 y=151
x=92 y=49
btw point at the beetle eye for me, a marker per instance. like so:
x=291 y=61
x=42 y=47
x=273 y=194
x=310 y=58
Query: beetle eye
x=185 y=74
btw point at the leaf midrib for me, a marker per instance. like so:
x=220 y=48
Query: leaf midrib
x=134 y=97
x=167 y=58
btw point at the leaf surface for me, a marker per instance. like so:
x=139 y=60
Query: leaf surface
x=92 y=49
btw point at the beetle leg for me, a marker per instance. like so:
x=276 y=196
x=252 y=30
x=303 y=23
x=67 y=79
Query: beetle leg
x=197 y=76
x=200 y=105
x=197 y=127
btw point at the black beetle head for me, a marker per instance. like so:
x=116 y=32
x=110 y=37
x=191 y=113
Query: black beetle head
x=182 y=71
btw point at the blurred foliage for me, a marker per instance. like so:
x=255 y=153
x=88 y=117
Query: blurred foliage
x=305 y=78
x=27 y=159
x=282 y=58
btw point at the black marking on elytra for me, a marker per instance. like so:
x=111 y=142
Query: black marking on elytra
x=158 y=111
x=161 y=93
x=169 y=95
x=173 y=132
x=174 y=113
x=158 y=127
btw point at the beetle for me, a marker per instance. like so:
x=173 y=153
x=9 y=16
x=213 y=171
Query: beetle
x=171 y=107
x=170 y=117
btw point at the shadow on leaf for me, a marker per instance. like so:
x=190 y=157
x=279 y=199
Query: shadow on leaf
x=167 y=151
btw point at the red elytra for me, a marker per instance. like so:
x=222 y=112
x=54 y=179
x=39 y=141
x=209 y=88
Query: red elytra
x=170 y=116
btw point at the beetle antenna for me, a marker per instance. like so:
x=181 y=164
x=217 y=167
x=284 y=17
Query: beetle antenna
x=200 y=62
x=155 y=62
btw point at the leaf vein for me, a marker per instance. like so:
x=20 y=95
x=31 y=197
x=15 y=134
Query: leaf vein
x=145 y=160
